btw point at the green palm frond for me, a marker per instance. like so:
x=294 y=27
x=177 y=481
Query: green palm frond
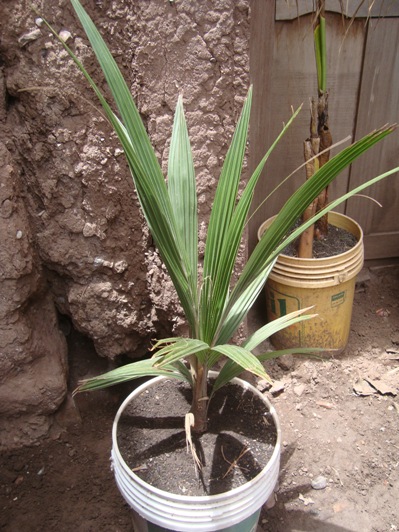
x=231 y=369
x=275 y=238
x=217 y=266
x=243 y=359
x=183 y=193
x=147 y=175
x=179 y=349
x=129 y=372
x=277 y=325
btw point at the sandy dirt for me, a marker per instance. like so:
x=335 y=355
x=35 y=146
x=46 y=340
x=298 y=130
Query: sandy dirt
x=331 y=434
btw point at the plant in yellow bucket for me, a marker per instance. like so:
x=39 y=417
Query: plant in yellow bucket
x=312 y=272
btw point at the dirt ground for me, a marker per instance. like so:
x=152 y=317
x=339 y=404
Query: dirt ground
x=349 y=440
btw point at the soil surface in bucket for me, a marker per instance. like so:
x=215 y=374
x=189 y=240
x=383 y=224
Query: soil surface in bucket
x=237 y=446
x=337 y=241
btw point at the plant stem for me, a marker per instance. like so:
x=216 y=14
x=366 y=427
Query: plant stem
x=320 y=139
x=324 y=135
x=311 y=149
x=199 y=405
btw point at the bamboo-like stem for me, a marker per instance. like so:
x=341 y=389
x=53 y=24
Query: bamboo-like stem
x=320 y=138
x=324 y=135
x=311 y=148
x=200 y=399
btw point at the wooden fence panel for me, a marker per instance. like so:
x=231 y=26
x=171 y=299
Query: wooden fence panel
x=283 y=73
x=378 y=105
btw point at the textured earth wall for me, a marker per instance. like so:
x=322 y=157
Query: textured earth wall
x=73 y=239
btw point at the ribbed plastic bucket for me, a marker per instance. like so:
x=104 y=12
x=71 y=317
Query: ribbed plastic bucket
x=327 y=283
x=157 y=510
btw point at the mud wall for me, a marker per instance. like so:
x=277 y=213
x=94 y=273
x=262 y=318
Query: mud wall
x=73 y=239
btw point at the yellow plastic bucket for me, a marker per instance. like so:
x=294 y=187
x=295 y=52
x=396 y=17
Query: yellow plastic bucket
x=328 y=284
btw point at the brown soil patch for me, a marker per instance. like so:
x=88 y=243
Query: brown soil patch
x=337 y=241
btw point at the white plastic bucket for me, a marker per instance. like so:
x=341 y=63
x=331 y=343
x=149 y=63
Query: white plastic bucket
x=236 y=510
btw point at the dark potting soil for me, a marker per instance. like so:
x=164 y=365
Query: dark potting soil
x=238 y=444
x=337 y=241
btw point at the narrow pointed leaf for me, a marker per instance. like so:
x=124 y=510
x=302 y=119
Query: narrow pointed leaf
x=135 y=370
x=230 y=244
x=275 y=238
x=221 y=215
x=275 y=326
x=149 y=181
x=121 y=93
x=182 y=190
x=235 y=314
x=184 y=371
x=243 y=358
x=183 y=348
x=321 y=53
x=231 y=369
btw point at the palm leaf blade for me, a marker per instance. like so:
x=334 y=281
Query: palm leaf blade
x=182 y=190
x=147 y=174
x=182 y=348
x=135 y=370
x=215 y=265
x=243 y=358
x=275 y=239
x=231 y=369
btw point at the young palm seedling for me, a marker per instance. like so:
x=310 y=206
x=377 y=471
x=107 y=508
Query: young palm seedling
x=213 y=305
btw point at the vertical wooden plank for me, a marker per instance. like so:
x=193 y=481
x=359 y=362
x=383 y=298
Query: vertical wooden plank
x=283 y=73
x=379 y=104
x=290 y=9
x=261 y=54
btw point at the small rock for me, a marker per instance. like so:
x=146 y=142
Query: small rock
x=19 y=480
x=306 y=500
x=28 y=37
x=278 y=387
x=319 y=483
x=6 y=208
x=65 y=35
x=120 y=266
x=395 y=338
x=286 y=362
x=298 y=390
x=89 y=230
x=262 y=385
